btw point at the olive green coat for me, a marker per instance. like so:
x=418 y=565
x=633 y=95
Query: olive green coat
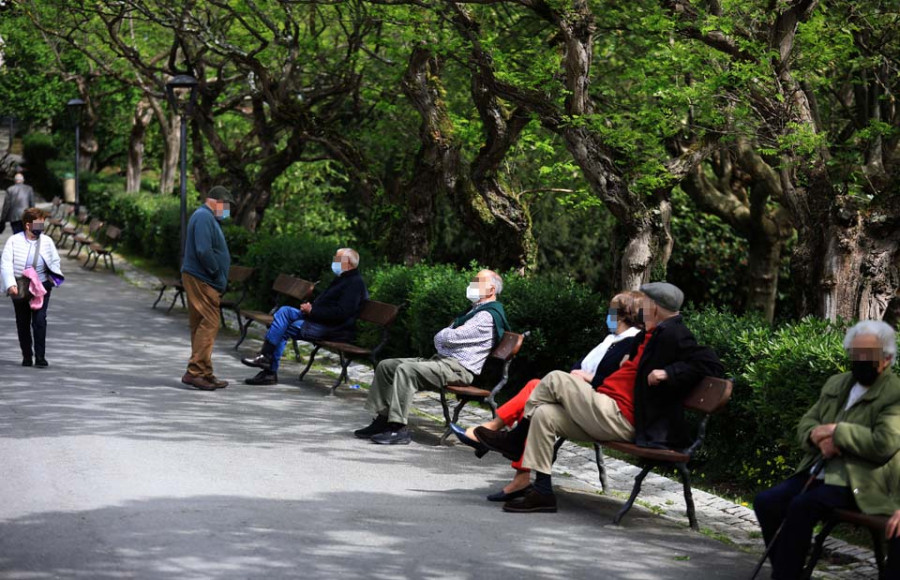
x=868 y=436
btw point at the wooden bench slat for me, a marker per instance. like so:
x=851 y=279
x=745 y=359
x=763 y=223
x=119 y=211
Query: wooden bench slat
x=468 y=391
x=344 y=347
x=651 y=453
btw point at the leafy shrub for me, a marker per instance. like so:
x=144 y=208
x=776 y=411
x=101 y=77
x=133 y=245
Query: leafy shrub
x=39 y=151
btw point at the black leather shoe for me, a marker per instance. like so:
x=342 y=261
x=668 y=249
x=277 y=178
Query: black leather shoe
x=377 y=426
x=503 y=496
x=393 y=436
x=480 y=449
x=532 y=502
x=511 y=444
x=27 y=362
x=260 y=361
x=263 y=378
x=41 y=362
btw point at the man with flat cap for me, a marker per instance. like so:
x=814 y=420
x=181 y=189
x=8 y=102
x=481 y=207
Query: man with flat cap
x=641 y=402
x=204 y=273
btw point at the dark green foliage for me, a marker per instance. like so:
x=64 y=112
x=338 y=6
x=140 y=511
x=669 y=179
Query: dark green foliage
x=777 y=374
x=238 y=239
x=38 y=151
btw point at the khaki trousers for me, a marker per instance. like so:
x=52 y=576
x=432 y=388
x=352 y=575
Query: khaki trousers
x=398 y=379
x=565 y=406
x=203 y=312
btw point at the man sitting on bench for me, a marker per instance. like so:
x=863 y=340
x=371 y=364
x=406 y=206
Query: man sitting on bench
x=642 y=401
x=854 y=428
x=462 y=349
x=331 y=316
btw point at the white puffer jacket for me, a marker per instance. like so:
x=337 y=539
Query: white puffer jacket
x=15 y=259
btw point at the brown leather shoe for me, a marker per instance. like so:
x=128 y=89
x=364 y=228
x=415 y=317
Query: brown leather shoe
x=219 y=383
x=532 y=502
x=198 y=382
x=511 y=444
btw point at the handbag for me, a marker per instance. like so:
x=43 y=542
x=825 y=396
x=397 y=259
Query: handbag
x=23 y=284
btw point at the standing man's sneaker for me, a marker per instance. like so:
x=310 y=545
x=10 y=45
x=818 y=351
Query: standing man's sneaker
x=27 y=362
x=395 y=434
x=219 y=383
x=263 y=378
x=378 y=425
x=198 y=382
x=532 y=502
x=41 y=362
x=260 y=361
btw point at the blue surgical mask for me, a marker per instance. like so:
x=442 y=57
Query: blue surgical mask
x=226 y=213
x=611 y=323
x=336 y=268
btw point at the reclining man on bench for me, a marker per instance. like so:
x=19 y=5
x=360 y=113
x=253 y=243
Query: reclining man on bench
x=462 y=349
x=641 y=402
x=331 y=316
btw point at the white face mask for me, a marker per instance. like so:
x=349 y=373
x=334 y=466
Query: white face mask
x=472 y=292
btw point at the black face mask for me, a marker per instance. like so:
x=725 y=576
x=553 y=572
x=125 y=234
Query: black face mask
x=864 y=371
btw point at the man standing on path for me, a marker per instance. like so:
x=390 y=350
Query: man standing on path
x=204 y=273
x=19 y=197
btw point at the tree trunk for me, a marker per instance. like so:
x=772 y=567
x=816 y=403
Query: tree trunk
x=171 y=153
x=142 y=115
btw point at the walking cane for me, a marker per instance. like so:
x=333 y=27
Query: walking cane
x=817 y=468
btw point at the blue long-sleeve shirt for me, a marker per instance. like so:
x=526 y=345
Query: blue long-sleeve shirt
x=206 y=254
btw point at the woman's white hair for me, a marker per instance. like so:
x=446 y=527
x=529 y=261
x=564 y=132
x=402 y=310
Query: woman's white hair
x=884 y=331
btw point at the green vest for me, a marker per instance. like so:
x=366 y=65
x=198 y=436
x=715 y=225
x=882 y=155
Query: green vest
x=868 y=435
x=495 y=309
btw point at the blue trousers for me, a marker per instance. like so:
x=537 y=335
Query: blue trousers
x=800 y=514
x=287 y=324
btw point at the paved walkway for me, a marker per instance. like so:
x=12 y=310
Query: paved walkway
x=113 y=469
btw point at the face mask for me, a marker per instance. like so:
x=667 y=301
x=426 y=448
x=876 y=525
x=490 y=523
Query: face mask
x=336 y=268
x=611 y=324
x=472 y=293
x=864 y=371
x=37 y=231
x=226 y=213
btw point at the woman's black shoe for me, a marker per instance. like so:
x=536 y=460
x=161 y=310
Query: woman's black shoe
x=26 y=362
x=41 y=362
x=503 y=496
x=480 y=449
x=532 y=502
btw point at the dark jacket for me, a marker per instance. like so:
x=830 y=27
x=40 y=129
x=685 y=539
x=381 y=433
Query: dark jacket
x=334 y=311
x=612 y=360
x=206 y=254
x=19 y=197
x=658 y=411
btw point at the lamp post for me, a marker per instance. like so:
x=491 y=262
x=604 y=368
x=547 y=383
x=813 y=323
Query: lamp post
x=180 y=91
x=76 y=110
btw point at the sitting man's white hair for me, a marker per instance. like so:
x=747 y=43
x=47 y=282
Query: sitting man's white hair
x=884 y=331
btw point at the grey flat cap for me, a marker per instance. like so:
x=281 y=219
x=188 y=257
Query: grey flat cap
x=220 y=193
x=666 y=295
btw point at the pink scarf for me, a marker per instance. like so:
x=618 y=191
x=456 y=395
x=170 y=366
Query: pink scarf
x=37 y=288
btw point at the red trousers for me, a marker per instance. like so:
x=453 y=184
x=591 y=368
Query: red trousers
x=512 y=410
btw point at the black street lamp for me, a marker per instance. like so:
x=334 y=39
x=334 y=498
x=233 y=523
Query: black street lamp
x=180 y=91
x=76 y=111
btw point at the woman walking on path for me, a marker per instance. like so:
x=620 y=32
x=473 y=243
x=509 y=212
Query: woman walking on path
x=32 y=258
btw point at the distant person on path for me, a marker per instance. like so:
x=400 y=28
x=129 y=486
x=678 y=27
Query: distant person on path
x=19 y=197
x=854 y=428
x=22 y=252
x=462 y=349
x=641 y=402
x=620 y=345
x=204 y=273
x=331 y=316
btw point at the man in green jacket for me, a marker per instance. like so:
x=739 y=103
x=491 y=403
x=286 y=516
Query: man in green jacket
x=854 y=428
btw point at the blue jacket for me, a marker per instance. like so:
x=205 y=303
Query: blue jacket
x=206 y=254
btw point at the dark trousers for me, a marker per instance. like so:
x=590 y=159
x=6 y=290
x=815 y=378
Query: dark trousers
x=800 y=514
x=893 y=559
x=28 y=320
x=17 y=227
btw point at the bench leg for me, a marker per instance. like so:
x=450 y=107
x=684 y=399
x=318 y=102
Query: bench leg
x=601 y=466
x=556 y=446
x=158 y=298
x=688 y=495
x=877 y=547
x=243 y=328
x=174 y=300
x=296 y=349
x=818 y=546
x=345 y=362
x=455 y=418
x=112 y=263
x=634 y=493
x=312 y=357
x=446 y=408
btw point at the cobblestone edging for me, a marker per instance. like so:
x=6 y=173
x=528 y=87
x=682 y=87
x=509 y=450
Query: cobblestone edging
x=719 y=517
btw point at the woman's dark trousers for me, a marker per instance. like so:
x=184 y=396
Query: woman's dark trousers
x=28 y=320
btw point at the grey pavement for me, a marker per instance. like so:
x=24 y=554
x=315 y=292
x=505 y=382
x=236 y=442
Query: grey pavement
x=113 y=469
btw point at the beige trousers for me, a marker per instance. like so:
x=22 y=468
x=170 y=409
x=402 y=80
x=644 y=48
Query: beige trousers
x=565 y=406
x=203 y=315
